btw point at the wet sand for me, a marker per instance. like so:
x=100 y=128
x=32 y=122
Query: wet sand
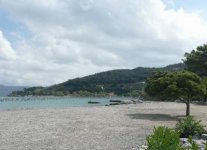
x=122 y=127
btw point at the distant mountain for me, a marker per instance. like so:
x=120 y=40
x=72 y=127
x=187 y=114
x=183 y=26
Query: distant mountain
x=127 y=82
x=6 y=90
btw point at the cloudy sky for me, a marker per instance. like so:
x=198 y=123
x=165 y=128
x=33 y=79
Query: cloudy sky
x=47 y=42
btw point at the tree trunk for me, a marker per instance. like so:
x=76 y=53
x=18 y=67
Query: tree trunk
x=188 y=108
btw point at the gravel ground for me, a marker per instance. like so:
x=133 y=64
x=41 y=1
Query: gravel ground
x=121 y=127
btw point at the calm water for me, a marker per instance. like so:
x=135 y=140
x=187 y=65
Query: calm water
x=49 y=102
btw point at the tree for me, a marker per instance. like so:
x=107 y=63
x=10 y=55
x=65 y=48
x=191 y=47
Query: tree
x=182 y=85
x=204 y=80
x=196 y=60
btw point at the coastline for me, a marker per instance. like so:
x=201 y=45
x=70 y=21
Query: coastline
x=78 y=128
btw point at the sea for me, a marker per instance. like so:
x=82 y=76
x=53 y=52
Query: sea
x=52 y=102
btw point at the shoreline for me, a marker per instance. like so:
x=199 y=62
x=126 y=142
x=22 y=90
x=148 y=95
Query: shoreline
x=118 y=127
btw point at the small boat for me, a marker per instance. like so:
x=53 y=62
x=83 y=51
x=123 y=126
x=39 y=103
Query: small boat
x=114 y=104
x=91 y=102
x=115 y=101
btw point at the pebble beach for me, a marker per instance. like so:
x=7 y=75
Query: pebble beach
x=122 y=127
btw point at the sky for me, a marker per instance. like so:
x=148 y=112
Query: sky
x=48 y=42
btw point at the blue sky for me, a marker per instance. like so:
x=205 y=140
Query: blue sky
x=11 y=27
x=47 y=42
x=191 y=5
x=7 y=24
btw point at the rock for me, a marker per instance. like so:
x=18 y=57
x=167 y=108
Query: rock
x=183 y=140
x=201 y=144
x=137 y=101
x=143 y=147
x=198 y=142
x=203 y=141
x=204 y=136
x=202 y=147
x=127 y=102
x=186 y=145
x=120 y=102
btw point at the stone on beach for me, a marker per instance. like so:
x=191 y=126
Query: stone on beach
x=78 y=128
x=204 y=136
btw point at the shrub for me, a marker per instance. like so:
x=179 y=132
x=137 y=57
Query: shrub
x=164 y=138
x=194 y=146
x=189 y=127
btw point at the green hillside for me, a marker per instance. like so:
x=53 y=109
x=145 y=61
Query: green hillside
x=124 y=82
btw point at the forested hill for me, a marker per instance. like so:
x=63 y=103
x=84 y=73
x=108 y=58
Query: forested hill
x=119 y=82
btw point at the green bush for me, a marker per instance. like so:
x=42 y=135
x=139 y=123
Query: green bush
x=194 y=146
x=189 y=127
x=206 y=147
x=164 y=138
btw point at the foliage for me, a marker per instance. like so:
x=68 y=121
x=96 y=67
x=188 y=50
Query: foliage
x=155 y=85
x=182 y=85
x=204 y=80
x=175 y=85
x=163 y=138
x=124 y=82
x=196 y=60
x=189 y=127
x=194 y=146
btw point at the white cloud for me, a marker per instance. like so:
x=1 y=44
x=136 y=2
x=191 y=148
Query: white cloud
x=6 y=51
x=73 y=38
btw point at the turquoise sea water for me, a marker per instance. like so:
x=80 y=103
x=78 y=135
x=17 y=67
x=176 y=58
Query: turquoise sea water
x=49 y=102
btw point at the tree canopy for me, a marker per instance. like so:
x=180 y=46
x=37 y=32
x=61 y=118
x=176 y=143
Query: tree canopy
x=196 y=60
x=179 y=85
